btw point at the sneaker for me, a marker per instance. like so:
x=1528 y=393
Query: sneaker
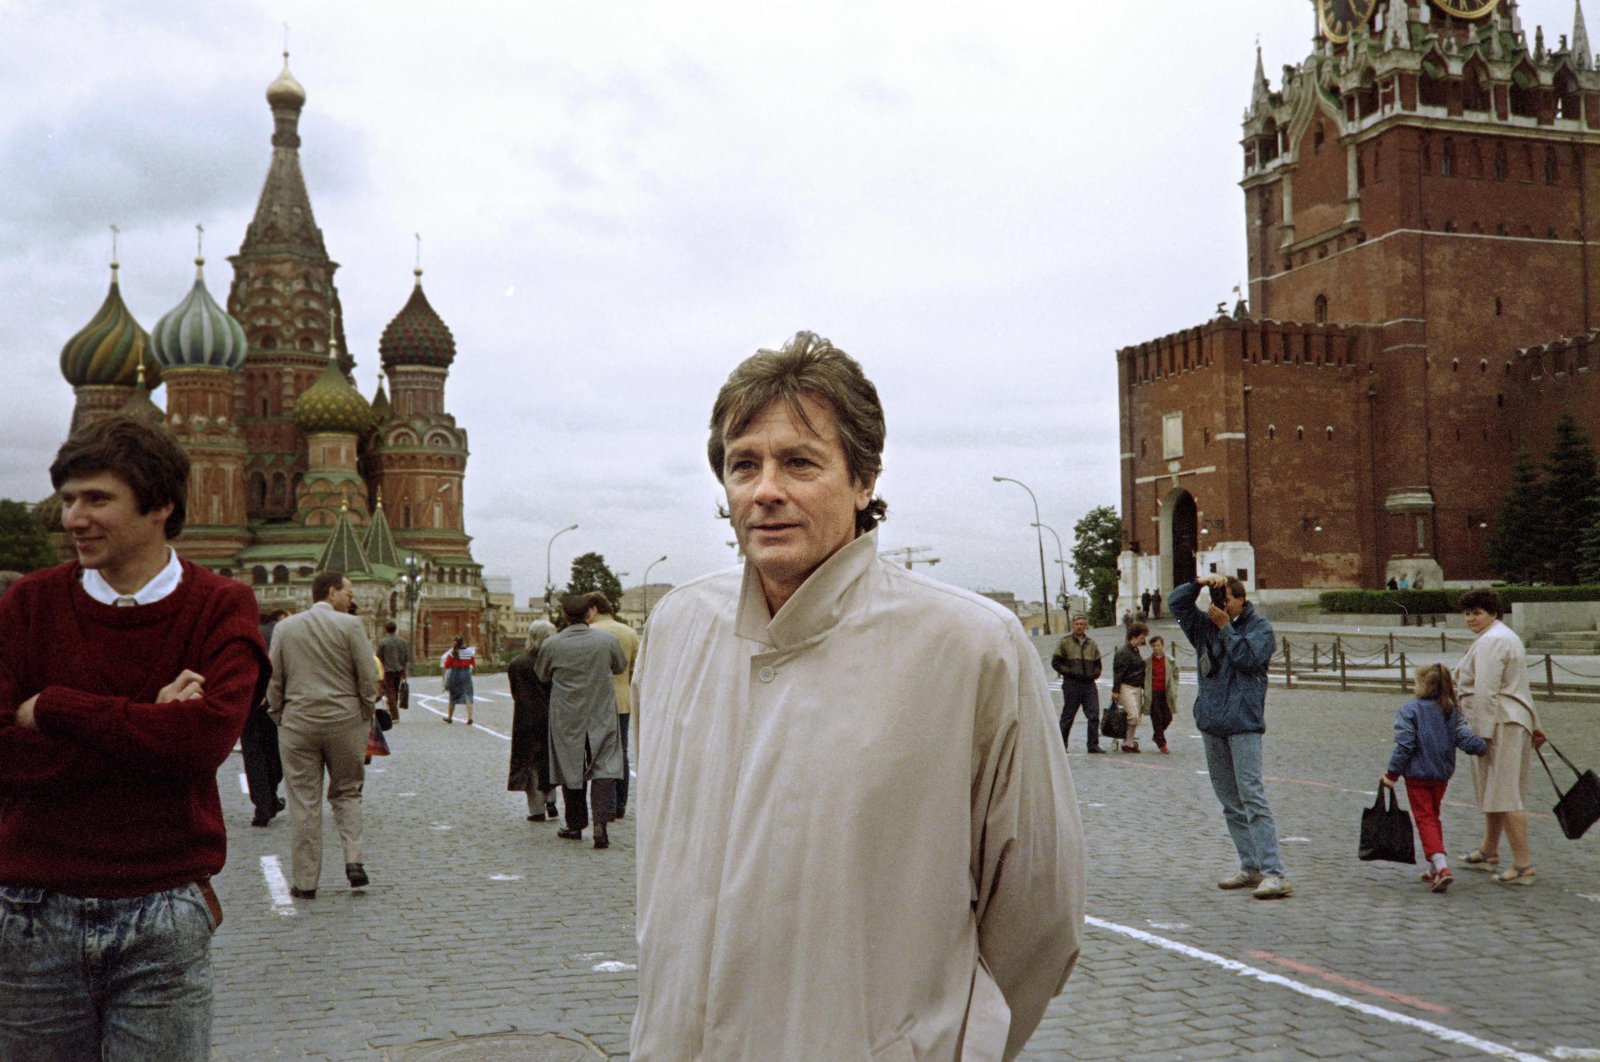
x=1272 y=887
x=1243 y=879
x=1442 y=880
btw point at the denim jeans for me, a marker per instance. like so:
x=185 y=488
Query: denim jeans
x=1234 y=763
x=85 y=978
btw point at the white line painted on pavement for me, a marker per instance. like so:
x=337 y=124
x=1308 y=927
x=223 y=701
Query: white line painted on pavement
x=244 y=784
x=276 y=885
x=1575 y=1052
x=613 y=967
x=1441 y=1032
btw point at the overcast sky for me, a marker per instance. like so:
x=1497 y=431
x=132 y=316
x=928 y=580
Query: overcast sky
x=618 y=201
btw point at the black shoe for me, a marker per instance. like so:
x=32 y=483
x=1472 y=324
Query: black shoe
x=600 y=838
x=357 y=875
x=618 y=814
x=302 y=894
x=278 y=804
x=1097 y=750
x=536 y=818
x=569 y=835
x=550 y=810
x=261 y=819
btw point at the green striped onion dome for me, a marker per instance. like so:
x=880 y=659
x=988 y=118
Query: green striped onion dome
x=332 y=404
x=107 y=351
x=197 y=332
x=417 y=336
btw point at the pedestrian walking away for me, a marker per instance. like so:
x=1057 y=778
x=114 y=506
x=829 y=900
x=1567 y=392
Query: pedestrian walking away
x=126 y=676
x=1077 y=661
x=258 y=748
x=1234 y=644
x=809 y=720
x=323 y=694
x=585 y=744
x=530 y=727
x=458 y=663
x=1427 y=732
x=394 y=656
x=621 y=685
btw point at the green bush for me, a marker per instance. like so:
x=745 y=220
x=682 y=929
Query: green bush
x=1424 y=602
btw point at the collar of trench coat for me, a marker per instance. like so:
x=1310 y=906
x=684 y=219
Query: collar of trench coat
x=815 y=608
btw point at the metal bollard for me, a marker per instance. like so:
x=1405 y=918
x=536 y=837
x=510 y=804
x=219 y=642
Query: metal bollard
x=1288 y=665
x=1403 y=683
x=1549 y=675
x=1343 y=684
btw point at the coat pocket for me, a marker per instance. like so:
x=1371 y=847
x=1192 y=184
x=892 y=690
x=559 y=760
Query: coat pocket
x=899 y=1051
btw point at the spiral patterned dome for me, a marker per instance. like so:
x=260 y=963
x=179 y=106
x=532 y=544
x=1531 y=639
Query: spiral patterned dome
x=107 y=351
x=197 y=332
x=332 y=404
x=417 y=336
x=285 y=91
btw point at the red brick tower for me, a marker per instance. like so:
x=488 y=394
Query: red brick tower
x=1418 y=199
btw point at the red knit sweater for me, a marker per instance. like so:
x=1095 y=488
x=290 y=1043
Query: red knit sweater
x=115 y=795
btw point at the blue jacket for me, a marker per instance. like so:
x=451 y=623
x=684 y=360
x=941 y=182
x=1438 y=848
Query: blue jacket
x=1233 y=697
x=1425 y=741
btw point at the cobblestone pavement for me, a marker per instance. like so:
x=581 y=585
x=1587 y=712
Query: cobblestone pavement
x=480 y=924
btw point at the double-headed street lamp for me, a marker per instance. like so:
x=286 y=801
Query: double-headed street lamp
x=549 y=587
x=413 y=581
x=1044 y=582
x=647 y=568
x=1061 y=564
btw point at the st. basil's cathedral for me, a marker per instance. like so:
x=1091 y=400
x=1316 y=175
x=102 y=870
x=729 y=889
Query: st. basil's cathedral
x=293 y=470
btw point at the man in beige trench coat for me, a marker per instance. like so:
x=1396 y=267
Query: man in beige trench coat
x=857 y=832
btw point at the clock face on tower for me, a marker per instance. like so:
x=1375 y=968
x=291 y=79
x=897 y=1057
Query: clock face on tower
x=1341 y=17
x=1467 y=8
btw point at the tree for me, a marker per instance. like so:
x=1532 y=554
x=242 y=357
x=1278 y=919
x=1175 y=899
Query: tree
x=1516 y=547
x=1571 y=478
x=1589 y=550
x=589 y=572
x=24 y=546
x=1096 y=543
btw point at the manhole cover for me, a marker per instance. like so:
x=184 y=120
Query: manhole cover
x=506 y=1047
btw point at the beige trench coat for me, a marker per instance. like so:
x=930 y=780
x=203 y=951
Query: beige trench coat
x=827 y=800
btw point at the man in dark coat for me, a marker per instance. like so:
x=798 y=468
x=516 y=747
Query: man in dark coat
x=530 y=727
x=258 y=746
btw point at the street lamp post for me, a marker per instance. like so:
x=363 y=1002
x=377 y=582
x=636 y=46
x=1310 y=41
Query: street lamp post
x=413 y=581
x=1061 y=565
x=549 y=587
x=1044 y=581
x=647 y=568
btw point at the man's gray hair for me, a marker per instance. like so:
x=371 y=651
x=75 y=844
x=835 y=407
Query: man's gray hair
x=807 y=365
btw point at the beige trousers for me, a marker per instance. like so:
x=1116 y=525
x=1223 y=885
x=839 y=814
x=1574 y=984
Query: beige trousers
x=340 y=751
x=1132 y=700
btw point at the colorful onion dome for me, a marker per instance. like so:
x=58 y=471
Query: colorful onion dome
x=417 y=336
x=285 y=91
x=108 y=350
x=332 y=404
x=197 y=332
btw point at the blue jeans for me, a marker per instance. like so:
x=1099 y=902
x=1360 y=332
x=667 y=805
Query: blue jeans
x=1075 y=694
x=1234 y=763
x=86 y=978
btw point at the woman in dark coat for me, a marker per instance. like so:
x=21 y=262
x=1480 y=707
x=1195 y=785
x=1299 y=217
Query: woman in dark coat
x=530 y=728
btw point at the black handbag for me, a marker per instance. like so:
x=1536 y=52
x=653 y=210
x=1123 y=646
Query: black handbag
x=1579 y=807
x=1386 y=830
x=1114 y=722
x=385 y=721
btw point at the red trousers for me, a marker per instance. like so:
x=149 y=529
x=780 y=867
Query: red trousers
x=1425 y=795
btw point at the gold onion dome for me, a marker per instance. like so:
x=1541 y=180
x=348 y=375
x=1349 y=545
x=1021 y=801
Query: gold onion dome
x=107 y=351
x=332 y=403
x=197 y=333
x=417 y=336
x=285 y=91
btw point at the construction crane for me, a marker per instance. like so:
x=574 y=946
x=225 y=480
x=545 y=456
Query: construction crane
x=910 y=556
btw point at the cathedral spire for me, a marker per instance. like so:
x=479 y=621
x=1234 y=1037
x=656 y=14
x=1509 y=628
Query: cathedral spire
x=1259 y=89
x=1582 y=57
x=283 y=223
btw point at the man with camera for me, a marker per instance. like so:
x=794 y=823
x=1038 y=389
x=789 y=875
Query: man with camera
x=1234 y=644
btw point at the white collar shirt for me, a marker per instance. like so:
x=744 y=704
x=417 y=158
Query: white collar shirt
x=162 y=585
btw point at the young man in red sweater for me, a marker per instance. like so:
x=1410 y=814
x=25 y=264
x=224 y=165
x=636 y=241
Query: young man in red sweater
x=125 y=678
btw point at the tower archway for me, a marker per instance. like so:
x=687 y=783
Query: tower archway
x=1180 y=539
